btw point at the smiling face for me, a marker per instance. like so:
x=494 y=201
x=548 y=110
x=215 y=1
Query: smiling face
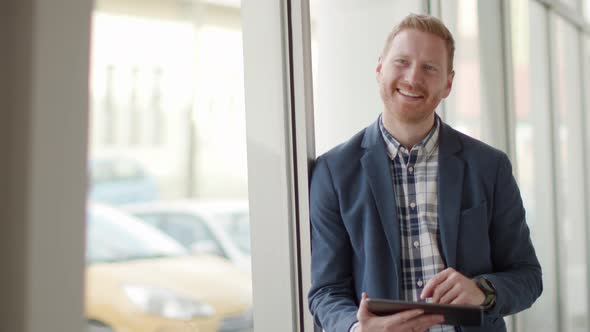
x=413 y=76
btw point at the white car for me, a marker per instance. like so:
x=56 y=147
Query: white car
x=221 y=228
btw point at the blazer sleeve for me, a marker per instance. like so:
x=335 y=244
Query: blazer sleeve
x=517 y=276
x=332 y=299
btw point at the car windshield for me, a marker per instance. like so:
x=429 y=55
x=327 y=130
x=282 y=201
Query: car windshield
x=115 y=237
x=237 y=226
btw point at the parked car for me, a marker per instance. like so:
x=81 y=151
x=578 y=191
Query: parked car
x=139 y=279
x=120 y=180
x=220 y=228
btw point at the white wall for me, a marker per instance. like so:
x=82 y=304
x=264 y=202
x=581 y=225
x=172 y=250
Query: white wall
x=350 y=36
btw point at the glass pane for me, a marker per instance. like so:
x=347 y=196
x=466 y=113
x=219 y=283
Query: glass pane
x=532 y=91
x=570 y=175
x=167 y=138
x=463 y=106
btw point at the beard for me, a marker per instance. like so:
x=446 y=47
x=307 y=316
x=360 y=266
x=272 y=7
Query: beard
x=405 y=112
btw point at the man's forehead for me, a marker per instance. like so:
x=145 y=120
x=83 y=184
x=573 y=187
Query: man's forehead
x=417 y=37
x=411 y=42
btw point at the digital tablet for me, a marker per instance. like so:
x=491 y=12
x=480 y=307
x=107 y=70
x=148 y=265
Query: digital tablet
x=466 y=315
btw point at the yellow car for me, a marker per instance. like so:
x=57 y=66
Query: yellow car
x=140 y=280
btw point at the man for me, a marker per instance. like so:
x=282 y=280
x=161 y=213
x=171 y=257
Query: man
x=411 y=209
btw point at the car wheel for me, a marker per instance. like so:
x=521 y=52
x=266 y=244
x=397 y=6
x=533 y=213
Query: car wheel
x=95 y=326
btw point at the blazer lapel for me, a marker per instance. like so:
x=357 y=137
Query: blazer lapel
x=375 y=164
x=450 y=192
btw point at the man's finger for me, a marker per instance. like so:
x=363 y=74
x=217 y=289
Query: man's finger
x=460 y=300
x=363 y=312
x=450 y=295
x=434 y=282
x=441 y=290
x=407 y=315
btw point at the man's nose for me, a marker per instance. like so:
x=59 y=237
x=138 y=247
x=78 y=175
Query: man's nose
x=413 y=75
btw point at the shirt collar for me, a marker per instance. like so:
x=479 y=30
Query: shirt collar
x=428 y=144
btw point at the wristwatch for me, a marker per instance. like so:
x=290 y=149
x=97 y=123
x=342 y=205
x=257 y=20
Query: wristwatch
x=488 y=290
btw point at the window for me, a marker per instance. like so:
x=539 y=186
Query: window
x=533 y=150
x=463 y=107
x=191 y=233
x=167 y=123
x=236 y=226
x=114 y=237
x=154 y=220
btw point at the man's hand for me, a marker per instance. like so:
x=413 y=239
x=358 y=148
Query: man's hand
x=406 y=321
x=450 y=286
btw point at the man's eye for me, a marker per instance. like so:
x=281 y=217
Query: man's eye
x=401 y=61
x=430 y=68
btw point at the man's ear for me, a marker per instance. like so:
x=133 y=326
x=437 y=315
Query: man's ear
x=378 y=68
x=449 y=83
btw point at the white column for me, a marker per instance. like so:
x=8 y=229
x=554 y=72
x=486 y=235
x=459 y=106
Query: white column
x=270 y=166
x=44 y=106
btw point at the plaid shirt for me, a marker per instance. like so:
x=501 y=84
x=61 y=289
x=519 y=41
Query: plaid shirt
x=415 y=175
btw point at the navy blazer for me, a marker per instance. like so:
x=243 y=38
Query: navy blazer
x=356 y=233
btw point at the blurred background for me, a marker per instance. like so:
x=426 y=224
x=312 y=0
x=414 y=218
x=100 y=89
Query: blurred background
x=168 y=132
